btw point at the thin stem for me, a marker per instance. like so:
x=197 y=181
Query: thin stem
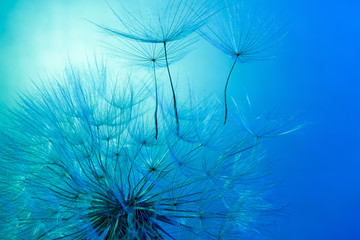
x=156 y=104
x=253 y=151
x=225 y=90
x=173 y=91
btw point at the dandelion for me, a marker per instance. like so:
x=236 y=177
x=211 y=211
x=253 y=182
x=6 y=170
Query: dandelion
x=242 y=36
x=175 y=22
x=79 y=169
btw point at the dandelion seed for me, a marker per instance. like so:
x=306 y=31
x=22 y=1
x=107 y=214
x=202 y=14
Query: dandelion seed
x=150 y=55
x=175 y=22
x=245 y=37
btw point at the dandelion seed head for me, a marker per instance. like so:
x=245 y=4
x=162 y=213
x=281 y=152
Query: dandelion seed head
x=87 y=166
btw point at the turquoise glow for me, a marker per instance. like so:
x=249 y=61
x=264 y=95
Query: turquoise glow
x=316 y=72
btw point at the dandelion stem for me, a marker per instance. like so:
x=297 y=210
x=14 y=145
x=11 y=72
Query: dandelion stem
x=225 y=90
x=172 y=89
x=156 y=104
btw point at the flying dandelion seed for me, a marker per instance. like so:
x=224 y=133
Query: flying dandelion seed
x=242 y=36
x=83 y=164
x=174 y=22
x=150 y=55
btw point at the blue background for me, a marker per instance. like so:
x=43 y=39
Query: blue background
x=316 y=72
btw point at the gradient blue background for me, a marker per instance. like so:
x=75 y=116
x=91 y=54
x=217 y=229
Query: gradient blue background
x=316 y=72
